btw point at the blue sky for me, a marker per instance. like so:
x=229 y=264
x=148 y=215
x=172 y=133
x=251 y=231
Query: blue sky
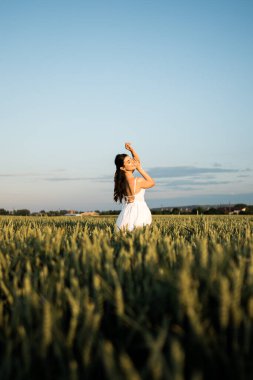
x=79 y=78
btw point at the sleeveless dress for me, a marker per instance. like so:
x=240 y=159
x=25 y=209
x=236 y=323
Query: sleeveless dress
x=134 y=214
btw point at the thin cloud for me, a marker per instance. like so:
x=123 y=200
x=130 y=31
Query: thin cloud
x=31 y=174
x=58 y=170
x=12 y=175
x=204 y=199
x=192 y=172
x=105 y=178
x=63 y=179
x=159 y=173
x=192 y=182
x=185 y=171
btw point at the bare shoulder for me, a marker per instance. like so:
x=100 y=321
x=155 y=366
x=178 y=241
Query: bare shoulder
x=138 y=183
x=130 y=181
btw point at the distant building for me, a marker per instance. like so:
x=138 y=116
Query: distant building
x=89 y=213
x=237 y=211
x=72 y=213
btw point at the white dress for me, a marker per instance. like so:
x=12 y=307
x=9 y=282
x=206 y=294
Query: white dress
x=134 y=214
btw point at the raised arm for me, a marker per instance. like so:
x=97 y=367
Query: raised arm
x=131 y=149
x=146 y=182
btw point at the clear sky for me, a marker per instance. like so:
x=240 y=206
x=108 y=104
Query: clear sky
x=79 y=78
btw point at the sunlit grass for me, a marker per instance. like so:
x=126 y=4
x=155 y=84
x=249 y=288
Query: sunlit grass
x=169 y=301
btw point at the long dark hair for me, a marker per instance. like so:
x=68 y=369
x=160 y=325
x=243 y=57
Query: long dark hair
x=119 y=178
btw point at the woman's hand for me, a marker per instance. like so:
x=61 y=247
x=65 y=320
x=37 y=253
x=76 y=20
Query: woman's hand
x=137 y=164
x=134 y=154
x=128 y=146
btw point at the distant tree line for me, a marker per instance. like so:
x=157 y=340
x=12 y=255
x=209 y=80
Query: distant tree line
x=109 y=212
x=25 y=212
x=240 y=209
x=22 y=212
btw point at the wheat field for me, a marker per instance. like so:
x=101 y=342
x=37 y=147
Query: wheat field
x=169 y=301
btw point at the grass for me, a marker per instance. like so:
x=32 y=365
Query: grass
x=170 y=301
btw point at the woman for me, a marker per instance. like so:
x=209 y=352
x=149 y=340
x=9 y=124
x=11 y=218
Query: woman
x=135 y=212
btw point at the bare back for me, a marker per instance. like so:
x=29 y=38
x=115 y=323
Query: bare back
x=131 y=189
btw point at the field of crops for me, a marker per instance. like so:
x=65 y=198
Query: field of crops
x=170 y=301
